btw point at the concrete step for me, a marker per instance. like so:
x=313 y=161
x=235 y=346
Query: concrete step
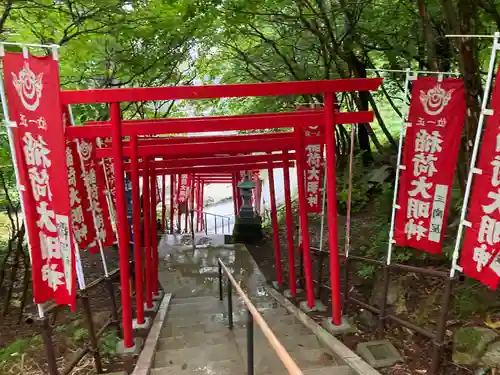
x=196 y=357
x=267 y=361
x=282 y=326
x=220 y=319
x=291 y=342
x=195 y=339
x=329 y=370
x=216 y=306
x=226 y=367
x=198 y=300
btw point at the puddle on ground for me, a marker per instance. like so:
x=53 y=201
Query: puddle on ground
x=188 y=272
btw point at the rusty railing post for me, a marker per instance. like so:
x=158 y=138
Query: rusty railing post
x=320 y=259
x=383 y=303
x=48 y=344
x=438 y=343
x=192 y=230
x=346 y=286
x=114 y=307
x=94 y=342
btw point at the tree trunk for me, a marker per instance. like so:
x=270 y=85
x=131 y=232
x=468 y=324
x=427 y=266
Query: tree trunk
x=428 y=35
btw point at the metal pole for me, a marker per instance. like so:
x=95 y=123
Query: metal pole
x=154 y=233
x=205 y=224
x=114 y=307
x=190 y=201
x=221 y=289
x=163 y=203
x=438 y=343
x=94 y=342
x=228 y=225
x=146 y=206
x=122 y=224
x=192 y=230
x=386 y=273
x=274 y=221
x=172 y=183
x=414 y=71
x=179 y=221
x=250 y=356
x=235 y=196
x=349 y=195
x=348 y=224
x=48 y=344
x=332 y=207
x=289 y=227
x=230 y=303
x=136 y=220
x=304 y=226
x=215 y=221
x=402 y=132
x=475 y=150
x=92 y=209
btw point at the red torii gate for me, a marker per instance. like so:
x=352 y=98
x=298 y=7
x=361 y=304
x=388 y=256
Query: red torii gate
x=116 y=128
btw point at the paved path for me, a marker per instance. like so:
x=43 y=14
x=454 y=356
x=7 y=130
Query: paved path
x=196 y=339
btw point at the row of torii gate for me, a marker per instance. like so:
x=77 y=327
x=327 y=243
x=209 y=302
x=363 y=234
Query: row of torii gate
x=136 y=148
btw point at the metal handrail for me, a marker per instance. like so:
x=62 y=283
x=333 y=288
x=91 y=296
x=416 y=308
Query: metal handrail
x=228 y=217
x=209 y=213
x=253 y=315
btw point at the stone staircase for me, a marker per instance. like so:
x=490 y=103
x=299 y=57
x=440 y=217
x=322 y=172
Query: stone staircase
x=195 y=339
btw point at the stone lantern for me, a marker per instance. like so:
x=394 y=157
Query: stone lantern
x=246 y=210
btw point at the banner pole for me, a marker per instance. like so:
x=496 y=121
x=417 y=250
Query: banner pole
x=146 y=206
x=91 y=202
x=402 y=131
x=163 y=202
x=274 y=222
x=323 y=206
x=456 y=251
x=289 y=227
x=418 y=72
x=109 y=198
x=172 y=183
x=138 y=236
x=349 y=195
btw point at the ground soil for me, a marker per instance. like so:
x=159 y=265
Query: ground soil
x=69 y=329
x=421 y=295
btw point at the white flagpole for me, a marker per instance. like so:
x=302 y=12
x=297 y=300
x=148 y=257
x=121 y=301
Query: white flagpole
x=91 y=202
x=404 y=115
x=475 y=150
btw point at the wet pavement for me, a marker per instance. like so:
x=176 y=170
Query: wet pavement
x=195 y=338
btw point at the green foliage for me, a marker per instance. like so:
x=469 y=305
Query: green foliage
x=61 y=328
x=108 y=343
x=471 y=298
x=80 y=334
x=13 y=351
x=359 y=193
x=359 y=199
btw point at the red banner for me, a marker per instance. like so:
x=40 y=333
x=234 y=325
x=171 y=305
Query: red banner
x=32 y=87
x=95 y=180
x=479 y=252
x=436 y=117
x=81 y=215
x=183 y=186
x=314 y=146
